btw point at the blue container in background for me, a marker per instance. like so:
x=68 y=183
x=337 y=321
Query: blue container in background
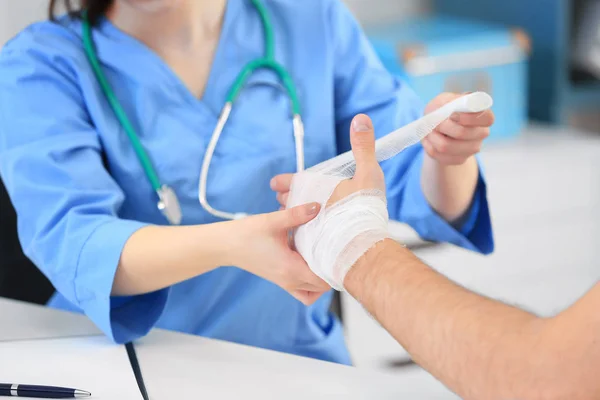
x=445 y=54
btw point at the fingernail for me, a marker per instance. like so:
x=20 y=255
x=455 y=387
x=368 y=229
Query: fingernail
x=313 y=209
x=361 y=124
x=272 y=183
x=455 y=117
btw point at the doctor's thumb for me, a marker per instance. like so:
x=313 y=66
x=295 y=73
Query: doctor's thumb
x=362 y=140
x=295 y=216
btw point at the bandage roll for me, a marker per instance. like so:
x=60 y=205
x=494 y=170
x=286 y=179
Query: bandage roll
x=390 y=145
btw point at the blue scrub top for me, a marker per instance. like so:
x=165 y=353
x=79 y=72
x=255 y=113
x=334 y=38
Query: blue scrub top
x=80 y=192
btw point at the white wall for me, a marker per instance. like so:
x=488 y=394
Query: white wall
x=16 y=14
x=369 y=11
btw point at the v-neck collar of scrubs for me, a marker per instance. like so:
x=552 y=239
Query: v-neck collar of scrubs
x=134 y=53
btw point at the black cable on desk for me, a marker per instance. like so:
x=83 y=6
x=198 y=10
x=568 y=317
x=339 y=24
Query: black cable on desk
x=137 y=371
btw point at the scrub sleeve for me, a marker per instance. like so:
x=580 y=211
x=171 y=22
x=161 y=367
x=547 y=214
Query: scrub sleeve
x=67 y=202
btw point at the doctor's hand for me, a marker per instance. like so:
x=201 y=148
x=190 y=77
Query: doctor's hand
x=262 y=249
x=458 y=138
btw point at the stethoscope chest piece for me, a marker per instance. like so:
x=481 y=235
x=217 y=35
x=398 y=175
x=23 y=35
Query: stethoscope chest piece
x=169 y=205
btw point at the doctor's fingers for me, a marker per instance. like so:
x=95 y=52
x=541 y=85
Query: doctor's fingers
x=282 y=183
x=440 y=100
x=444 y=158
x=457 y=131
x=311 y=282
x=282 y=198
x=299 y=276
x=306 y=297
x=443 y=144
x=294 y=217
x=319 y=286
x=485 y=118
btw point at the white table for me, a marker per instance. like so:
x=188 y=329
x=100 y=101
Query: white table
x=177 y=366
x=544 y=194
x=24 y=321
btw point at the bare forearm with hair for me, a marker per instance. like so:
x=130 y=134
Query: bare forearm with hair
x=156 y=257
x=449 y=189
x=478 y=347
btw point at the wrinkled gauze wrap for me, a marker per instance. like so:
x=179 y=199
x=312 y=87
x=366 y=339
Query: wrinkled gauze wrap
x=341 y=233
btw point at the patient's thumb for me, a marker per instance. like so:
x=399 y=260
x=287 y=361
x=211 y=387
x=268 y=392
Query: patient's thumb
x=362 y=139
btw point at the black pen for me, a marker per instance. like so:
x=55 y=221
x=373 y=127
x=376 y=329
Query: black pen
x=41 y=392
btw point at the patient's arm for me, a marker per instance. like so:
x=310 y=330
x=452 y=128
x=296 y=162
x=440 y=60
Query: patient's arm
x=478 y=347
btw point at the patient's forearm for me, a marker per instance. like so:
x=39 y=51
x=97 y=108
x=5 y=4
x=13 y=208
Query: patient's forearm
x=156 y=257
x=480 y=348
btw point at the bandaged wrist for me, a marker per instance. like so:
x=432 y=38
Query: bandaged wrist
x=341 y=233
x=345 y=231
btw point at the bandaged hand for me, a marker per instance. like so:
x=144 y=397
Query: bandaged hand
x=260 y=246
x=353 y=216
x=458 y=138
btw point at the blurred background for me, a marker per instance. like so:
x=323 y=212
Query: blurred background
x=540 y=60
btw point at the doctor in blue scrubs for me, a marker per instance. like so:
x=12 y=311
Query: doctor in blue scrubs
x=97 y=127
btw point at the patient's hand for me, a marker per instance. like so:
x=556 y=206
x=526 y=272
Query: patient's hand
x=349 y=225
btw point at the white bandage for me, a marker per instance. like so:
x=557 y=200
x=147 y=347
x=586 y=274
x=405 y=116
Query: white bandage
x=341 y=233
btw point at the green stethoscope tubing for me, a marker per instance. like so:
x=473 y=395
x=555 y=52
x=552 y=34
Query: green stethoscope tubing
x=120 y=113
x=266 y=62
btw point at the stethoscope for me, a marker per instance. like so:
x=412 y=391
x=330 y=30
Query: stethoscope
x=168 y=203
